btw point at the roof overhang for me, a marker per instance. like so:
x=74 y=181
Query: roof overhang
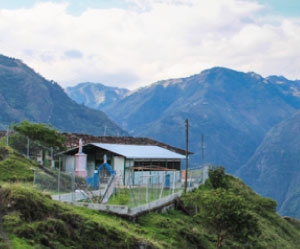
x=131 y=151
x=139 y=151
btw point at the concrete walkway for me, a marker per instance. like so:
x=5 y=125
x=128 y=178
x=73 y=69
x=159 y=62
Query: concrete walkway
x=76 y=196
x=73 y=198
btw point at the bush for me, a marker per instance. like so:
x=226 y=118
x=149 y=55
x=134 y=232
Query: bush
x=12 y=220
x=267 y=204
x=217 y=177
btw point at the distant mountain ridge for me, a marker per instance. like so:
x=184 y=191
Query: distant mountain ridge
x=274 y=168
x=96 y=95
x=233 y=110
x=24 y=94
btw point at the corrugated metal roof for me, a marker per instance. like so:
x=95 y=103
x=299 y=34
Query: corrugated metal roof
x=140 y=151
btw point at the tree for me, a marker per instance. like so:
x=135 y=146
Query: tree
x=217 y=177
x=224 y=213
x=45 y=134
x=223 y=210
x=227 y=215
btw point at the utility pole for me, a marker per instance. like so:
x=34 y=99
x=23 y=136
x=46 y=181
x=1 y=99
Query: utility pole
x=202 y=150
x=186 y=153
x=105 y=130
x=202 y=158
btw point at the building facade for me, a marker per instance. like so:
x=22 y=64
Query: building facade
x=127 y=161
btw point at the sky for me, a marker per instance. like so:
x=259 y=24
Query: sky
x=134 y=43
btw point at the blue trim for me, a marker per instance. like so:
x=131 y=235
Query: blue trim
x=96 y=173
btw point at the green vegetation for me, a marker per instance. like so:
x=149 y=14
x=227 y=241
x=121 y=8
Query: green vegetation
x=30 y=219
x=225 y=212
x=15 y=167
x=217 y=177
x=138 y=196
x=238 y=217
x=35 y=221
x=45 y=134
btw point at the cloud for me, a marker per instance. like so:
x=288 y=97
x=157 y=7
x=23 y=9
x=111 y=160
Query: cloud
x=73 y=54
x=150 y=40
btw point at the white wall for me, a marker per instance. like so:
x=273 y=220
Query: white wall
x=118 y=166
x=69 y=162
x=118 y=163
x=129 y=163
x=91 y=165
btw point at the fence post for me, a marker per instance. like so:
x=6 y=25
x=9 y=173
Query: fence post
x=7 y=134
x=72 y=186
x=58 y=180
x=27 y=147
x=34 y=175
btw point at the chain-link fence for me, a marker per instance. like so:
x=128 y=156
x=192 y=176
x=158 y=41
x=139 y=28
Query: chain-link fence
x=148 y=186
x=139 y=187
x=132 y=188
x=32 y=149
x=197 y=176
x=64 y=186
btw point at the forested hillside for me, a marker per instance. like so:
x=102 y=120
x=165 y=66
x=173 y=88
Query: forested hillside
x=26 y=95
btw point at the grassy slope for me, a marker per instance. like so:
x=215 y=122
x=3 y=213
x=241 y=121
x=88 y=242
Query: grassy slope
x=14 y=167
x=177 y=230
x=277 y=231
x=30 y=219
x=33 y=220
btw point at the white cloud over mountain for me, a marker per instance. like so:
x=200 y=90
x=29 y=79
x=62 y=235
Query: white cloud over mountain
x=150 y=40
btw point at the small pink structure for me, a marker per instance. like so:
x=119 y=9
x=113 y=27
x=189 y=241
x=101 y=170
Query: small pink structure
x=80 y=162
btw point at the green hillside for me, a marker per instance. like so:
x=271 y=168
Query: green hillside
x=15 y=167
x=30 y=219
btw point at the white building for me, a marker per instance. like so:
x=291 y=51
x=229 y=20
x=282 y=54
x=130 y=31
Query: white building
x=148 y=160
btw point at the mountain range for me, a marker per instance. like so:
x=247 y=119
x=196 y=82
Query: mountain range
x=232 y=110
x=237 y=113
